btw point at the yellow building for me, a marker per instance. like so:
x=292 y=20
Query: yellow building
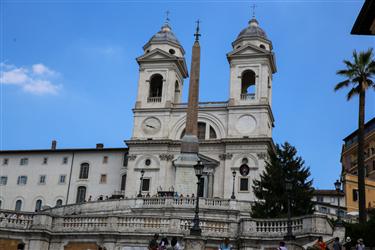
x=350 y=169
x=351 y=192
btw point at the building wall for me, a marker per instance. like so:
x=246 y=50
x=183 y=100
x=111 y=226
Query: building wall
x=350 y=184
x=327 y=204
x=52 y=189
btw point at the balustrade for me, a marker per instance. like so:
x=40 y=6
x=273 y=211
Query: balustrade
x=246 y=96
x=16 y=220
x=154 y=99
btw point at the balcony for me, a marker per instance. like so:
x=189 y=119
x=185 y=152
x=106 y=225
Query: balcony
x=154 y=99
x=246 y=96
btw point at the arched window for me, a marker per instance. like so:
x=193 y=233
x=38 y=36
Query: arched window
x=84 y=171
x=81 y=194
x=156 y=88
x=262 y=46
x=18 y=205
x=204 y=132
x=59 y=203
x=38 y=205
x=248 y=85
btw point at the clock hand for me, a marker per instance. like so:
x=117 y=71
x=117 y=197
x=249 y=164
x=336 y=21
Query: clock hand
x=149 y=126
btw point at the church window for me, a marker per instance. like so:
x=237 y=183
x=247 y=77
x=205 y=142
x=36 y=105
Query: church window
x=146 y=184
x=176 y=92
x=262 y=46
x=147 y=162
x=105 y=159
x=65 y=160
x=248 y=85
x=81 y=194
x=45 y=160
x=59 y=203
x=172 y=51
x=201 y=130
x=123 y=182
x=244 y=184
x=84 y=171
x=212 y=133
x=38 y=205
x=103 y=179
x=126 y=159
x=156 y=88
x=18 y=205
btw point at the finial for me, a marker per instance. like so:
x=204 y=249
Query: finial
x=167 y=17
x=253 y=10
x=197 y=35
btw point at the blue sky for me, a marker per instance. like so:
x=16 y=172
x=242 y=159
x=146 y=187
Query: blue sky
x=75 y=76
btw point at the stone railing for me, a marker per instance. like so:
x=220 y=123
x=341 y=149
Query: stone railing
x=18 y=220
x=202 y=104
x=246 y=96
x=154 y=99
x=310 y=224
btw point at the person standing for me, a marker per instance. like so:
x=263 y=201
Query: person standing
x=174 y=244
x=360 y=245
x=225 y=245
x=320 y=244
x=336 y=244
x=282 y=246
x=153 y=244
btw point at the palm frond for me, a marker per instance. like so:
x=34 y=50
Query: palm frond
x=352 y=92
x=342 y=84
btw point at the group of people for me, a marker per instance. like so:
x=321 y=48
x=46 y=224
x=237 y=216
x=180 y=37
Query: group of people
x=337 y=245
x=163 y=244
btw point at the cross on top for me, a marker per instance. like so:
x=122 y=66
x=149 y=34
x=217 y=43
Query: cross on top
x=197 y=35
x=167 y=16
x=253 y=6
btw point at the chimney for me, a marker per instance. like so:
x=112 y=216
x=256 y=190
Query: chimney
x=99 y=146
x=53 y=144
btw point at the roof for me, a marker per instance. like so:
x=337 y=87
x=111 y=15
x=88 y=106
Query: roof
x=165 y=35
x=330 y=192
x=369 y=126
x=63 y=150
x=365 y=22
x=251 y=31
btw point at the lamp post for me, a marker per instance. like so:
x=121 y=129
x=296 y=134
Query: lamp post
x=289 y=187
x=338 y=189
x=140 y=184
x=196 y=230
x=234 y=178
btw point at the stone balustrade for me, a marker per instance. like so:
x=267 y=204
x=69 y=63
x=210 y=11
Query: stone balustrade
x=12 y=219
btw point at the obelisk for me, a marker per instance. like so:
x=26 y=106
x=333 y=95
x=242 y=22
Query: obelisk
x=185 y=176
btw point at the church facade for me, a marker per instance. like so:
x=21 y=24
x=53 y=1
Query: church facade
x=233 y=135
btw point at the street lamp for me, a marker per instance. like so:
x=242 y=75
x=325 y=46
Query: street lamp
x=140 y=184
x=338 y=189
x=196 y=230
x=289 y=187
x=234 y=178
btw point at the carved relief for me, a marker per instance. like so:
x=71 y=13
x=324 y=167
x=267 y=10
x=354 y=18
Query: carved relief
x=166 y=157
x=263 y=156
x=132 y=157
x=226 y=156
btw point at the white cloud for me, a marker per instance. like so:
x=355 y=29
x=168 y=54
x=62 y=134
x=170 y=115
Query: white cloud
x=35 y=80
x=41 y=87
x=40 y=69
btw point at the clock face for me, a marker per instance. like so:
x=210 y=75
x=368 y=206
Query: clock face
x=151 y=125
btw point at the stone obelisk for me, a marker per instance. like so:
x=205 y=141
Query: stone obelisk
x=185 y=176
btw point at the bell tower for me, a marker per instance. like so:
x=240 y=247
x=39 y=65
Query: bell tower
x=162 y=69
x=252 y=64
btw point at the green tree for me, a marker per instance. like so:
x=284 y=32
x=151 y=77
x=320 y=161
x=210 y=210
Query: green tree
x=358 y=76
x=270 y=189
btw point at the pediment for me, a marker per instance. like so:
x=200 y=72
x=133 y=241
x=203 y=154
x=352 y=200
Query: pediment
x=247 y=50
x=208 y=161
x=156 y=54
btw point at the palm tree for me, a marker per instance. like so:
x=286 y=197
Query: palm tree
x=359 y=74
